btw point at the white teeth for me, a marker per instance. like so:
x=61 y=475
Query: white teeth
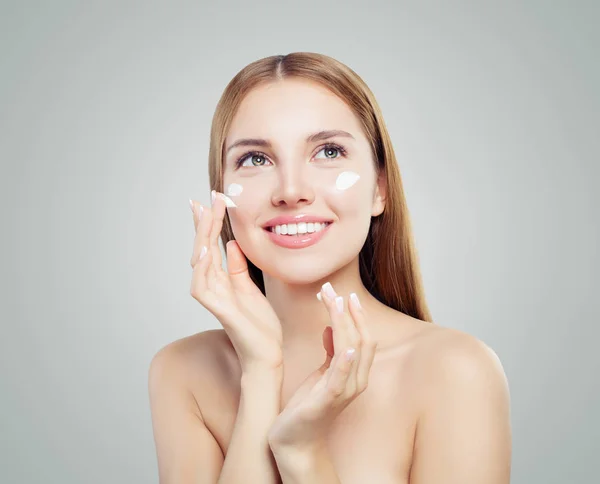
x=299 y=228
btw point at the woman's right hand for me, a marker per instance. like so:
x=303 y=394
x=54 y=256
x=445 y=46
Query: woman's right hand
x=244 y=312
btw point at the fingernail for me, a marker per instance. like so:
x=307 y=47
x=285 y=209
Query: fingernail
x=328 y=288
x=319 y=296
x=350 y=354
x=203 y=251
x=355 y=300
x=213 y=196
x=339 y=304
x=228 y=201
x=191 y=205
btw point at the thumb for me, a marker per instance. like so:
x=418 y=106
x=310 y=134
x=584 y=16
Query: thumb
x=237 y=266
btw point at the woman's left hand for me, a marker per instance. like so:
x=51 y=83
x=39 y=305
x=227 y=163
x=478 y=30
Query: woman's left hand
x=327 y=391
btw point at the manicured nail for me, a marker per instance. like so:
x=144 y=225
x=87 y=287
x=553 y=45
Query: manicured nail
x=319 y=296
x=328 y=288
x=339 y=304
x=203 y=251
x=213 y=196
x=228 y=201
x=350 y=354
x=191 y=205
x=355 y=300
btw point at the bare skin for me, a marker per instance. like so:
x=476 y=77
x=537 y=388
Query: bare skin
x=373 y=439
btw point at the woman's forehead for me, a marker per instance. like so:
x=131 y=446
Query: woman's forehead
x=291 y=108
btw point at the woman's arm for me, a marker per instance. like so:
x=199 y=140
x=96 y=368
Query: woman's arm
x=187 y=452
x=463 y=434
x=249 y=457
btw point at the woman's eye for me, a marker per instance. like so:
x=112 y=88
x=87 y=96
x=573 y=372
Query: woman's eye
x=255 y=160
x=332 y=149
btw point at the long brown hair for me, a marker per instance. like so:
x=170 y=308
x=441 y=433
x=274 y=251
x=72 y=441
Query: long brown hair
x=389 y=265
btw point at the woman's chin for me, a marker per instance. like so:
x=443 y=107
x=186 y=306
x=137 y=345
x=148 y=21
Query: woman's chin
x=301 y=274
x=314 y=272
x=300 y=266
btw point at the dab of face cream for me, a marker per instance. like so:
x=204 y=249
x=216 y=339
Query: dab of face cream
x=346 y=179
x=234 y=189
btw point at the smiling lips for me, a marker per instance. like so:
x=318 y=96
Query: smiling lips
x=296 y=232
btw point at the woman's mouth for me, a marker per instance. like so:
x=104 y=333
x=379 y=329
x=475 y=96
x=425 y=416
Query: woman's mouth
x=299 y=228
x=297 y=235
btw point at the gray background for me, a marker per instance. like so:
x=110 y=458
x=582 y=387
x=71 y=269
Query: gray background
x=493 y=109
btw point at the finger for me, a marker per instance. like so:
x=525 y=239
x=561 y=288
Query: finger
x=368 y=345
x=345 y=333
x=203 y=225
x=328 y=296
x=218 y=210
x=353 y=345
x=196 y=212
x=340 y=375
x=325 y=367
x=200 y=276
x=237 y=268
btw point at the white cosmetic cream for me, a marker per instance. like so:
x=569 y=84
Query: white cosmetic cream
x=234 y=189
x=346 y=179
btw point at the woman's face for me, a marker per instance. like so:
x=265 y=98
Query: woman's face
x=283 y=182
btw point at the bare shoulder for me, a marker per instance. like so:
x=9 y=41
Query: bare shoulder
x=203 y=347
x=196 y=361
x=450 y=352
x=445 y=360
x=462 y=408
x=429 y=356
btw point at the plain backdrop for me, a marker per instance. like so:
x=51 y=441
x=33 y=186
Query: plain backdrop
x=105 y=112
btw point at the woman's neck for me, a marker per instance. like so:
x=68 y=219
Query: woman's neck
x=303 y=317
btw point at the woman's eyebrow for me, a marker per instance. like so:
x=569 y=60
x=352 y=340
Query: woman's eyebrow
x=318 y=136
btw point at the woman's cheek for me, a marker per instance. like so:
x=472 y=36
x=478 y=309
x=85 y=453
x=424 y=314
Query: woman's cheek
x=234 y=190
x=346 y=193
x=244 y=203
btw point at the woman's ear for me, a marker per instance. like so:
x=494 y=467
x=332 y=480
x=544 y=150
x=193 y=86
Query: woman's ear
x=380 y=195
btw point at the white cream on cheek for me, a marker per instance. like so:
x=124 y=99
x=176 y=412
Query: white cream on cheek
x=233 y=190
x=346 y=179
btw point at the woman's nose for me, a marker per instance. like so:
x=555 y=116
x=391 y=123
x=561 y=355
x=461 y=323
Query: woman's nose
x=293 y=188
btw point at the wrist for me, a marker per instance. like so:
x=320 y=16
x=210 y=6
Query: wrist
x=262 y=378
x=262 y=367
x=306 y=449
x=299 y=458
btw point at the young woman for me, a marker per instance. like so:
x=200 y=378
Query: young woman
x=328 y=368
